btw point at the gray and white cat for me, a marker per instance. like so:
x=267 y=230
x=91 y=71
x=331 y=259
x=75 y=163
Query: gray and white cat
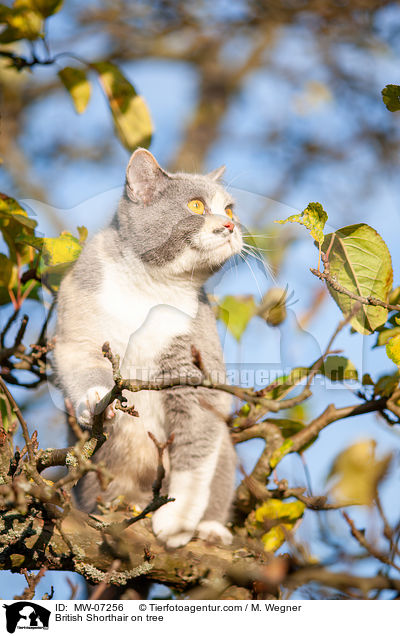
x=138 y=284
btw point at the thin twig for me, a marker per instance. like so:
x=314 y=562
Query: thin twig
x=158 y=499
x=359 y=536
x=21 y=420
x=8 y=325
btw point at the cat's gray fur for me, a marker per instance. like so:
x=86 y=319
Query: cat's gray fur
x=138 y=285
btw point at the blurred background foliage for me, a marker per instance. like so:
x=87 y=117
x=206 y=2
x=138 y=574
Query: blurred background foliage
x=288 y=95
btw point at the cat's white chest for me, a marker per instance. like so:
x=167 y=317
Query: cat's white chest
x=143 y=317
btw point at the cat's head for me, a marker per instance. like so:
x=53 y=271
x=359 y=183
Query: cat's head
x=183 y=223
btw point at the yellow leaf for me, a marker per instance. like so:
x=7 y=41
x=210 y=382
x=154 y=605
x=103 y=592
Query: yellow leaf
x=24 y=21
x=17 y=560
x=236 y=312
x=393 y=349
x=78 y=86
x=313 y=218
x=280 y=453
x=282 y=516
x=277 y=509
x=274 y=538
x=131 y=116
x=358 y=472
x=63 y=249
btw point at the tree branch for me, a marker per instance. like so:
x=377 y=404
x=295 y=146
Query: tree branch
x=332 y=282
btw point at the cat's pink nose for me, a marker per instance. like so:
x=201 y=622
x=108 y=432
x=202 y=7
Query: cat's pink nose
x=229 y=225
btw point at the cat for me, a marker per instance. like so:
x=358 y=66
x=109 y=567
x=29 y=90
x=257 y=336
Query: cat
x=138 y=284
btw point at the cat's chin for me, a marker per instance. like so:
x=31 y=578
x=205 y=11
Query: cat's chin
x=208 y=261
x=220 y=249
x=221 y=253
x=199 y=262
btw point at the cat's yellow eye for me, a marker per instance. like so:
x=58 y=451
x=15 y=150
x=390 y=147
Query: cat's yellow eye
x=195 y=205
x=229 y=212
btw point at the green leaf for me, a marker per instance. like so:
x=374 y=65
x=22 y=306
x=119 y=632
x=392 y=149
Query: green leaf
x=288 y=427
x=53 y=275
x=8 y=279
x=280 y=453
x=10 y=209
x=46 y=8
x=30 y=289
x=313 y=218
x=7 y=414
x=23 y=22
x=367 y=380
x=13 y=221
x=358 y=472
x=339 y=368
x=385 y=335
x=387 y=384
x=82 y=233
x=131 y=116
x=393 y=349
x=394 y=296
x=335 y=368
x=285 y=382
x=6 y=270
x=360 y=261
x=78 y=86
x=236 y=312
x=4 y=12
x=391 y=97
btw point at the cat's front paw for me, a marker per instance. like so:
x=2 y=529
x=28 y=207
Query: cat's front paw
x=214 y=532
x=87 y=404
x=172 y=527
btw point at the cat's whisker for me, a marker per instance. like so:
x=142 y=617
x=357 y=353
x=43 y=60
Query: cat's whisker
x=258 y=235
x=252 y=273
x=252 y=252
x=267 y=269
x=259 y=249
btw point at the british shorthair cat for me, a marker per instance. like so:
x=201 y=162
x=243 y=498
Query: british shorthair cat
x=138 y=284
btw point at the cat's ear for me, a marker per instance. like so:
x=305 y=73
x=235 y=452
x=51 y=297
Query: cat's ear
x=144 y=177
x=216 y=174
